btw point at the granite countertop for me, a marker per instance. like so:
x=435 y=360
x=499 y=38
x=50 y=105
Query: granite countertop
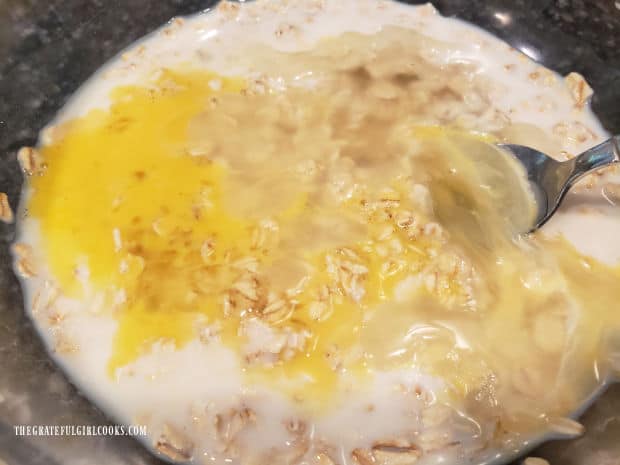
x=47 y=49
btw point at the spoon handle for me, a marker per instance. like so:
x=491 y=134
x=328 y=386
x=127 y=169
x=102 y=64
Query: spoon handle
x=602 y=155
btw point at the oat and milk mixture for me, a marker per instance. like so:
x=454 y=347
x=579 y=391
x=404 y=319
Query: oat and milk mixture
x=269 y=233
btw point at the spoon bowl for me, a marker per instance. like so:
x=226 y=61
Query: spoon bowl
x=550 y=179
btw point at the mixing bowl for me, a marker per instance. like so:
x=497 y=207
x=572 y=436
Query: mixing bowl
x=47 y=49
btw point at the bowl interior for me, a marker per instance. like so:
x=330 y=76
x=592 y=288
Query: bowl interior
x=47 y=49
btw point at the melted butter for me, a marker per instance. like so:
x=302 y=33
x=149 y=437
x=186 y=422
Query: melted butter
x=185 y=185
x=140 y=221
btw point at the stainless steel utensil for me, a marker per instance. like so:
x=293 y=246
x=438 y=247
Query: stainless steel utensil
x=550 y=179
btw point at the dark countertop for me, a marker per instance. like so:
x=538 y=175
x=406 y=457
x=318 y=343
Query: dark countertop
x=47 y=49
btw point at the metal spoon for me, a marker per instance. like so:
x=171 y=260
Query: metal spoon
x=550 y=180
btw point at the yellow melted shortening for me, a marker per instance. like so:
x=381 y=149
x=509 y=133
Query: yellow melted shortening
x=125 y=197
x=163 y=195
x=118 y=172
